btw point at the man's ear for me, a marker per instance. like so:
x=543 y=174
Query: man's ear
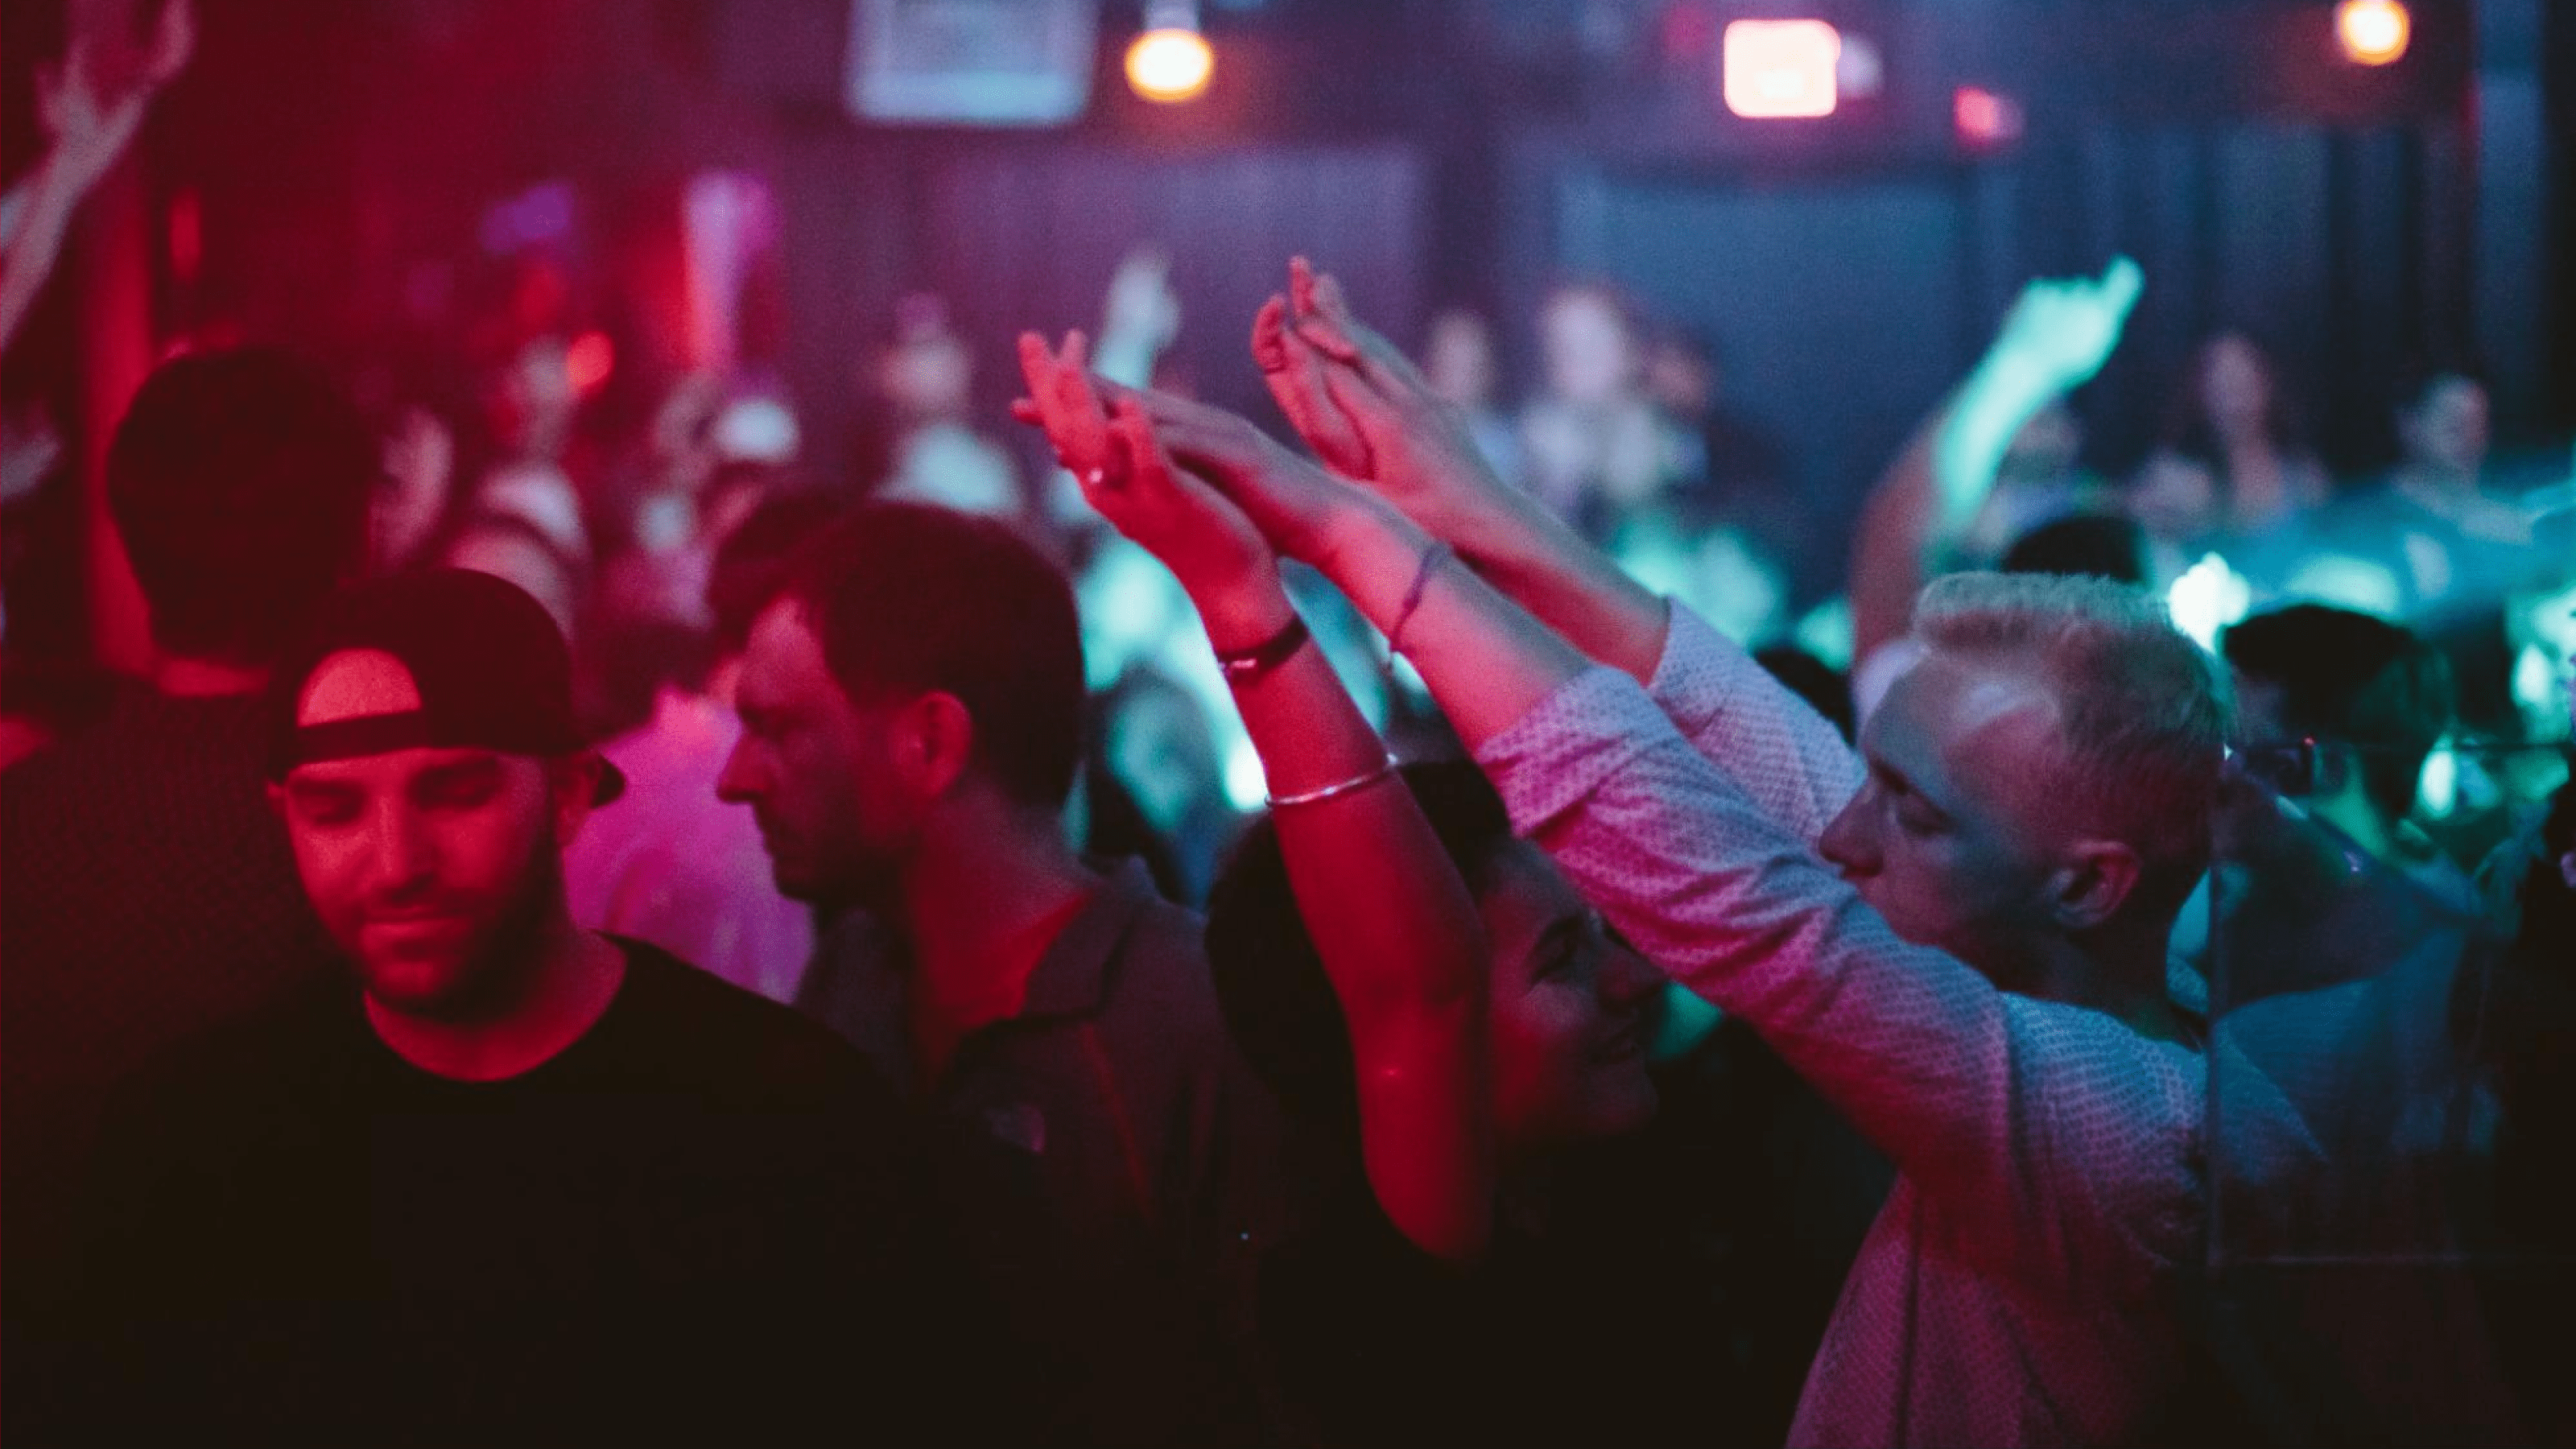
x=2093 y=882
x=572 y=783
x=934 y=743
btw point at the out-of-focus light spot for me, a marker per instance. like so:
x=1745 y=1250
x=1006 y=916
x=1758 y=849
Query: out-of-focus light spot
x=2437 y=790
x=2207 y=598
x=1779 y=69
x=2348 y=583
x=1984 y=119
x=1860 y=70
x=588 y=361
x=1826 y=632
x=1246 y=787
x=1170 y=65
x=2373 y=32
x=187 y=234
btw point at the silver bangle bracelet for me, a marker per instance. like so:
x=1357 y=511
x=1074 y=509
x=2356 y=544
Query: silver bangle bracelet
x=1342 y=787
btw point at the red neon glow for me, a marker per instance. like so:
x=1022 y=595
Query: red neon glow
x=588 y=361
x=1781 y=68
x=1984 y=118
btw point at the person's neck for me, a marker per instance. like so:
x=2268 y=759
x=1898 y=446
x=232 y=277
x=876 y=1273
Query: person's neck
x=2118 y=972
x=182 y=678
x=980 y=906
x=577 y=975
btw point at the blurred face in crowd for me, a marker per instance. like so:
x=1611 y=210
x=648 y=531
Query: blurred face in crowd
x=1954 y=834
x=1459 y=360
x=1571 y=1010
x=2235 y=386
x=2446 y=430
x=1591 y=358
x=434 y=869
x=819 y=772
x=1160 y=748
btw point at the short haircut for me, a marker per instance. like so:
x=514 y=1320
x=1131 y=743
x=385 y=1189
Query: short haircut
x=751 y=566
x=2143 y=711
x=1278 y=1003
x=2357 y=680
x=908 y=598
x=241 y=481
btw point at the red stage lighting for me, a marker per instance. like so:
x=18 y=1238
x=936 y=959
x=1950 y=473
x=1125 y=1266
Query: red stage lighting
x=1781 y=68
x=588 y=361
x=1984 y=119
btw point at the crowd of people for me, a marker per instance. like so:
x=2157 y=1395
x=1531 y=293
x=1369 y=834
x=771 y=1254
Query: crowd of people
x=597 y=933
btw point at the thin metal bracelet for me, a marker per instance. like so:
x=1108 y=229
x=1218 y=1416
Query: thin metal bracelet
x=1344 y=787
x=1431 y=560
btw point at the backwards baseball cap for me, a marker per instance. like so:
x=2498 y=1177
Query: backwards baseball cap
x=488 y=670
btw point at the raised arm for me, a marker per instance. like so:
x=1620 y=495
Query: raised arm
x=1392 y=922
x=1976 y=1094
x=1371 y=416
x=88 y=131
x=2055 y=338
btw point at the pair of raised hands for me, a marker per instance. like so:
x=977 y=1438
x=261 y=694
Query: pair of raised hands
x=1212 y=496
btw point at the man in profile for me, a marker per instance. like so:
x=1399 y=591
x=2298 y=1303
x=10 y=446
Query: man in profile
x=912 y=718
x=505 y=1180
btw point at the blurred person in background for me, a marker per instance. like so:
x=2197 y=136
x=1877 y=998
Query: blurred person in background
x=924 y=447
x=1459 y=360
x=87 y=125
x=1156 y=739
x=1996 y=459
x=1596 y=448
x=147 y=891
x=677 y=867
x=2436 y=539
x=2229 y=465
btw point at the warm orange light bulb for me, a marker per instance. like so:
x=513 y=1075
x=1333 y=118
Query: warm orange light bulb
x=2373 y=32
x=1170 y=65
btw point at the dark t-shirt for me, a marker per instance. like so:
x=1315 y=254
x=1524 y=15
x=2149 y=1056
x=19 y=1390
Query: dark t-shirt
x=146 y=893
x=698 y=1223
x=1674 y=1293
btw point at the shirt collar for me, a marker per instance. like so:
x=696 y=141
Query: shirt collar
x=1072 y=977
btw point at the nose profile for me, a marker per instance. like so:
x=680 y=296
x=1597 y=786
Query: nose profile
x=1846 y=842
x=734 y=783
x=406 y=857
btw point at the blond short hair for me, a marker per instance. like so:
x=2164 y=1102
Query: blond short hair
x=2143 y=712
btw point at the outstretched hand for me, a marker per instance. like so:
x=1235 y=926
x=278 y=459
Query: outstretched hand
x=1207 y=542
x=2066 y=329
x=1364 y=408
x=91 y=129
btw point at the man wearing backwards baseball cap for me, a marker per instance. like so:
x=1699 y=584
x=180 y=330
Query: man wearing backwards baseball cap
x=521 y=1182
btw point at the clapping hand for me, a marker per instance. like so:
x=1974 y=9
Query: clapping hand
x=1220 y=558
x=1366 y=411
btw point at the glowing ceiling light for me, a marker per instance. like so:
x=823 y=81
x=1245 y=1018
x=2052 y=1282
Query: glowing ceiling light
x=1171 y=61
x=1781 y=68
x=2373 y=32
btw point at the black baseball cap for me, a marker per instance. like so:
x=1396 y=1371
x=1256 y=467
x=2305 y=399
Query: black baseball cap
x=491 y=670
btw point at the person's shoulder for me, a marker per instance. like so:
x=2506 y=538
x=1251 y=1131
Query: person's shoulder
x=279 y=1053
x=742 y=1044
